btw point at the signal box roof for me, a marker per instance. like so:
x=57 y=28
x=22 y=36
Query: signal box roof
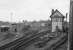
x=56 y=13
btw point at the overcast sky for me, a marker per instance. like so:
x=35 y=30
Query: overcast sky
x=30 y=9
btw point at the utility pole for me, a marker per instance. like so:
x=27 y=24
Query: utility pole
x=70 y=34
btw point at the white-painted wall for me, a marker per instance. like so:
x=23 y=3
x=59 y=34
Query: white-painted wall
x=56 y=22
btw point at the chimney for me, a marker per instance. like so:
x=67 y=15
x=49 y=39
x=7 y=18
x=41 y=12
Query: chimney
x=66 y=16
x=52 y=11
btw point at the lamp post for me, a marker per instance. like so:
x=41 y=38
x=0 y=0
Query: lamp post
x=11 y=16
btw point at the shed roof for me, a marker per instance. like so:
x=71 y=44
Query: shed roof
x=5 y=26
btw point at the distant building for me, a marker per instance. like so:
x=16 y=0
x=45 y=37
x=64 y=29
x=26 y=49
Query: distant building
x=57 y=20
x=4 y=28
x=39 y=24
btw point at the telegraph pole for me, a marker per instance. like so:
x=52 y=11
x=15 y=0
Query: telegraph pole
x=70 y=34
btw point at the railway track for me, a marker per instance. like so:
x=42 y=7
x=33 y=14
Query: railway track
x=29 y=41
x=24 y=42
x=58 y=43
x=17 y=43
x=13 y=43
